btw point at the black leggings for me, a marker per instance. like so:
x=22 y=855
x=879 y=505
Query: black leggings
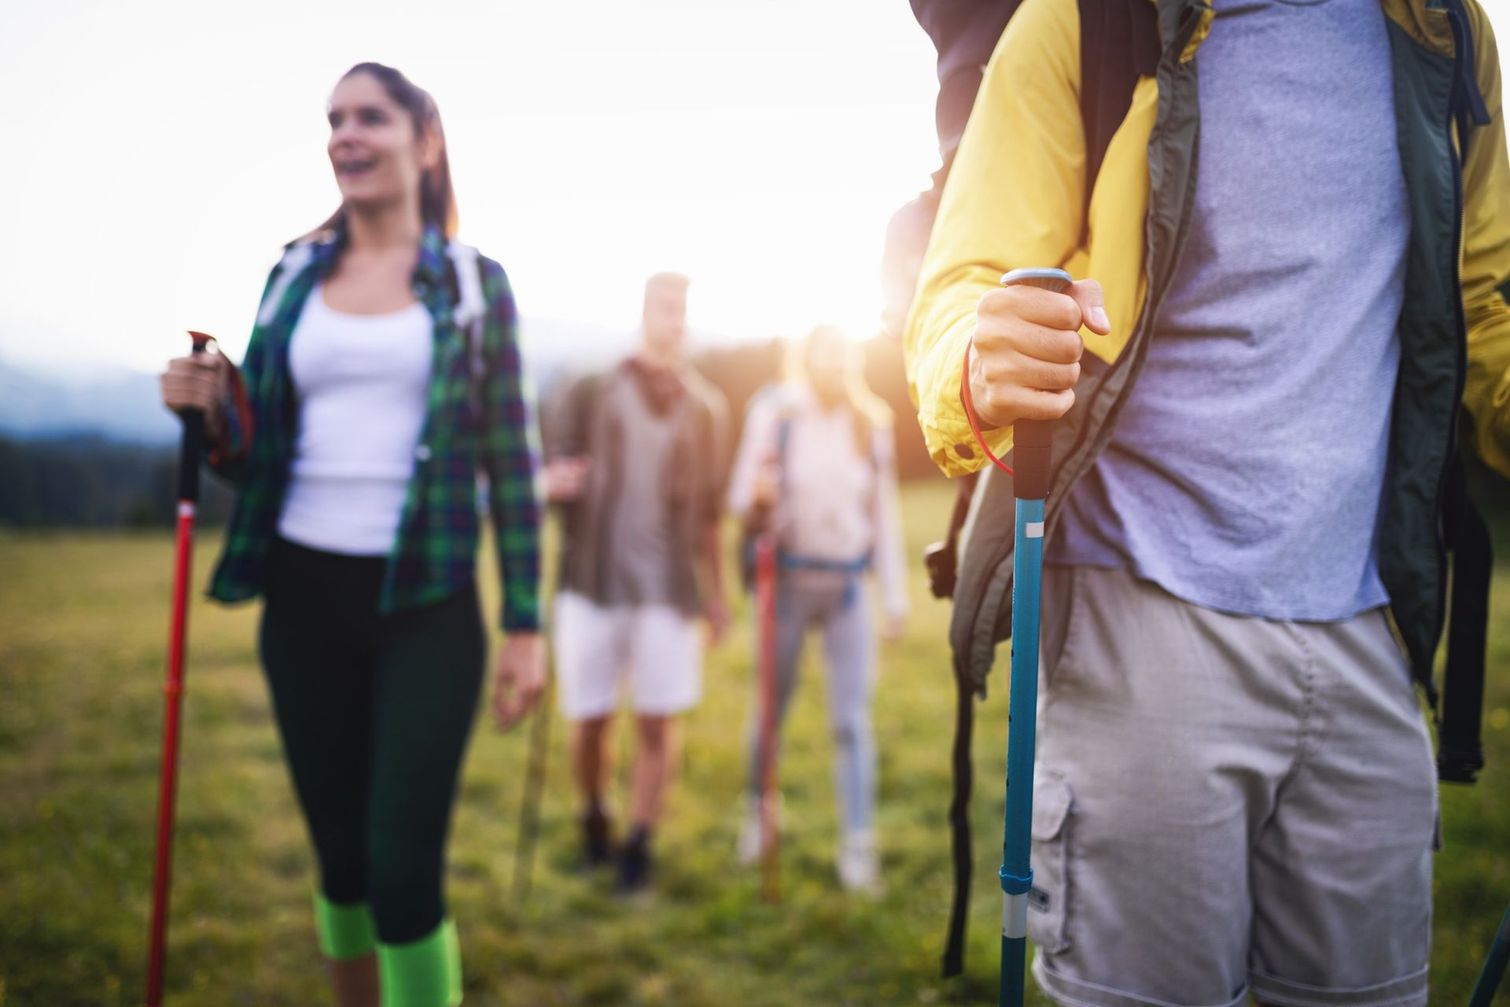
x=375 y=712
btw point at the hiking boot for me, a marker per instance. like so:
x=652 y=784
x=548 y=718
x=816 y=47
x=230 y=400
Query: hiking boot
x=635 y=863
x=858 y=863
x=597 y=838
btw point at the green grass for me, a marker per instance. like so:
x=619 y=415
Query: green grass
x=82 y=636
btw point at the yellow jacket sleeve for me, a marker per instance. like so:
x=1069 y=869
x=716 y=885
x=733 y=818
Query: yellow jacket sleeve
x=1486 y=262
x=1015 y=198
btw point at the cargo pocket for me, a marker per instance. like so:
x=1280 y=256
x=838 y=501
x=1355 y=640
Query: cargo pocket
x=1048 y=900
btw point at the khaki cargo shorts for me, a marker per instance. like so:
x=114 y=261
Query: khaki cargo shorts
x=1225 y=806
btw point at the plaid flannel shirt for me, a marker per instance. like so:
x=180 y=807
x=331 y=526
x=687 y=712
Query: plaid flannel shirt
x=479 y=419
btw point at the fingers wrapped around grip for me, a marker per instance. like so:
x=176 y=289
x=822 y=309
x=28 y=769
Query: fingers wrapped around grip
x=1025 y=357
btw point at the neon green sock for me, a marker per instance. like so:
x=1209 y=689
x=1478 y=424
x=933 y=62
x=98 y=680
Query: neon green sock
x=422 y=973
x=345 y=931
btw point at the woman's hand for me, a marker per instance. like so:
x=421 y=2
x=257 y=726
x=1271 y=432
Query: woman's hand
x=519 y=679
x=199 y=381
x=767 y=485
x=565 y=479
x=894 y=627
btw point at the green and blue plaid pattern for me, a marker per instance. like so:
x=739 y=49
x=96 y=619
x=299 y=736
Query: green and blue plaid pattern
x=478 y=422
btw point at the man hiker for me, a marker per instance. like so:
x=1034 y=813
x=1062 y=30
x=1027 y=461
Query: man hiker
x=1288 y=260
x=638 y=467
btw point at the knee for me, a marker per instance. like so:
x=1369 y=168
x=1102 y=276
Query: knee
x=404 y=890
x=654 y=734
x=851 y=730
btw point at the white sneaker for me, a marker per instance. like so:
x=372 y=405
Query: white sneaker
x=859 y=865
x=748 y=848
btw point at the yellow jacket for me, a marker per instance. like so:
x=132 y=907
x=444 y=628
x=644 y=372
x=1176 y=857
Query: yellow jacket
x=1015 y=198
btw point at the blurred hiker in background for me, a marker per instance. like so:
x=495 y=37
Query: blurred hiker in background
x=816 y=469
x=384 y=376
x=637 y=468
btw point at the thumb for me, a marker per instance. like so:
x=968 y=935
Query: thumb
x=1087 y=294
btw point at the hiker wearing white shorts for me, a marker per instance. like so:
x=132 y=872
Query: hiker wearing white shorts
x=637 y=468
x=1256 y=480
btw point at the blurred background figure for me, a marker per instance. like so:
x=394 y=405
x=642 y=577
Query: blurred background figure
x=816 y=468
x=637 y=467
x=378 y=393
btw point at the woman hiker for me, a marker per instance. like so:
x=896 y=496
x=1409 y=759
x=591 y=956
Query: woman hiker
x=383 y=376
x=816 y=469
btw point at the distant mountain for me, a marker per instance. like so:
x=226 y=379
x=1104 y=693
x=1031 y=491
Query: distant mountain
x=121 y=406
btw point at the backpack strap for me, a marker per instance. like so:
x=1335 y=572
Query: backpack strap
x=470 y=305
x=296 y=258
x=1119 y=42
x=1110 y=72
x=1460 y=753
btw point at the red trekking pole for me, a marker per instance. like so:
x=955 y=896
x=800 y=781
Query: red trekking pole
x=770 y=827
x=188 y=501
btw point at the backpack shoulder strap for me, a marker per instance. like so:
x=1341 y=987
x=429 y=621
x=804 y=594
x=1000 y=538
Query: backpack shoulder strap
x=296 y=258
x=470 y=305
x=1119 y=42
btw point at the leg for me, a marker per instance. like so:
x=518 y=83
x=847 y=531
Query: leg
x=849 y=646
x=665 y=656
x=1164 y=730
x=589 y=656
x=592 y=757
x=654 y=769
x=429 y=673
x=1342 y=871
x=793 y=615
x=321 y=687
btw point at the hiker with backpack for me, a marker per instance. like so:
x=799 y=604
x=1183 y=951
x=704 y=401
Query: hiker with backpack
x=383 y=376
x=636 y=467
x=1289 y=229
x=816 y=470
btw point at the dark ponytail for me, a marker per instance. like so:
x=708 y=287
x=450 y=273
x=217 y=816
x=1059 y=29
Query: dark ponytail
x=437 y=200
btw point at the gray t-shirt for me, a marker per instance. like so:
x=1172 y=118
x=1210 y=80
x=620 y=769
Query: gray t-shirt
x=639 y=524
x=1246 y=469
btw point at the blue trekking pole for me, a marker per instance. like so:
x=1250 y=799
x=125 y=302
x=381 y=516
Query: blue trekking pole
x=1030 y=460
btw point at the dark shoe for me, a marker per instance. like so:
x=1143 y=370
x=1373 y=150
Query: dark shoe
x=635 y=863
x=597 y=838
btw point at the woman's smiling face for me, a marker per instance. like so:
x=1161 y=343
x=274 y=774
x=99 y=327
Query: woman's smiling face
x=376 y=149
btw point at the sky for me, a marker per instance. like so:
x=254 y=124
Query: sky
x=160 y=154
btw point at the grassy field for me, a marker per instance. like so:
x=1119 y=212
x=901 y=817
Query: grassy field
x=82 y=632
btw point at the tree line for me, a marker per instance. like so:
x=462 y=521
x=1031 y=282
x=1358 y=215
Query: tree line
x=93 y=481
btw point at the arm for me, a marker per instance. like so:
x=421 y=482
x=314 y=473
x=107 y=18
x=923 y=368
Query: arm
x=891 y=566
x=756 y=445
x=712 y=553
x=1015 y=197
x=510 y=457
x=1486 y=263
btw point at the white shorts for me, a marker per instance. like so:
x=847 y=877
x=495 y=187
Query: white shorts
x=655 y=647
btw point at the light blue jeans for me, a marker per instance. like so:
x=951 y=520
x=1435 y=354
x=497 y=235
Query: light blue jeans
x=815 y=599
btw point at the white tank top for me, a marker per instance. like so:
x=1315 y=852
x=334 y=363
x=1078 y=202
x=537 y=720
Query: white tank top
x=361 y=383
